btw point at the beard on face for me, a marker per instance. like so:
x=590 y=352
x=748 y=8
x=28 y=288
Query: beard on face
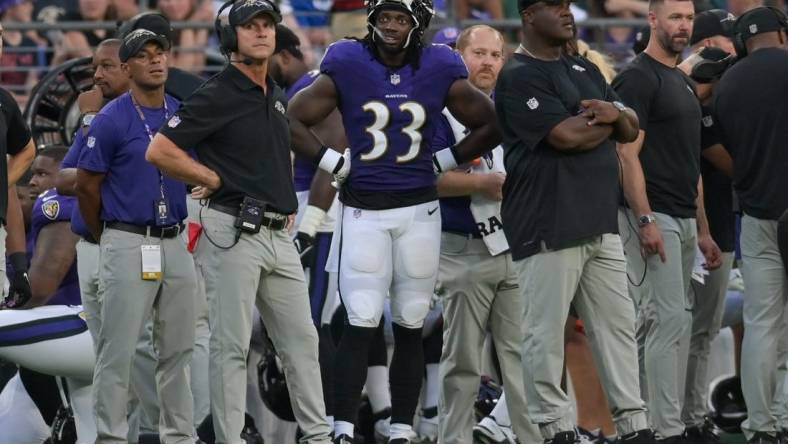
x=671 y=44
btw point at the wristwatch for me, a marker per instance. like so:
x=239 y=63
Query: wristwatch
x=619 y=106
x=645 y=220
x=87 y=119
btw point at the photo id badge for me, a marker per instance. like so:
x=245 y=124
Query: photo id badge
x=162 y=212
x=151 y=262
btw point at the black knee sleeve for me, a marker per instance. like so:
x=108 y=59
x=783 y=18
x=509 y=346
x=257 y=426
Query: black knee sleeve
x=326 y=352
x=44 y=392
x=406 y=373
x=377 y=349
x=350 y=371
x=433 y=346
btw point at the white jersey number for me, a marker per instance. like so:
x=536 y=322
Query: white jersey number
x=380 y=142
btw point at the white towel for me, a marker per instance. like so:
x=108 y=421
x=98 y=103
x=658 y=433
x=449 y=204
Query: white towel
x=486 y=212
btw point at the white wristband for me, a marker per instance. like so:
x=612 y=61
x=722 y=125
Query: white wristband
x=329 y=161
x=312 y=218
x=445 y=159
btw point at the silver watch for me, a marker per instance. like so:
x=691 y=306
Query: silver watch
x=645 y=220
x=619 y=106
x=87 y=119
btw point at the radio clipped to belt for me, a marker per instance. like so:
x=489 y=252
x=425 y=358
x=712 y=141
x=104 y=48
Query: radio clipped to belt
x=250 y=218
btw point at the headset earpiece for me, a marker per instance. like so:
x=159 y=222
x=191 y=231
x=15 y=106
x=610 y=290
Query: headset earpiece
x=228 y=39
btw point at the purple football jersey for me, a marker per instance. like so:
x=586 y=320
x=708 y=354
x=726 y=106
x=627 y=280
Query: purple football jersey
x=51 y=207
x=303 y=169
x=389 y=114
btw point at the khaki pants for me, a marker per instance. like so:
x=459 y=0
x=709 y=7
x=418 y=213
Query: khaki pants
x=126 y=302
x=262 y=269
x=480 y=293
x=707 y=308
x=664 y=317
x=766 y=290
x=591 y=277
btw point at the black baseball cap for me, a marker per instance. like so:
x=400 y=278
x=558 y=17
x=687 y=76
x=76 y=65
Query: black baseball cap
x=245 y=10
x=134 y=41
x=286 y=39
x=758 y=21
x=152 y=21
x=522 y=5
x=713 y=22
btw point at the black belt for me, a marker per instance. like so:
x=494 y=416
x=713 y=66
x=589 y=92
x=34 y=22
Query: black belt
x=465 y=235
x=163 y=232
x=271 y=219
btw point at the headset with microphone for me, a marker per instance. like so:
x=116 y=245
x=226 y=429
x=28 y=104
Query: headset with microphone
x=228 y=37
x=739 y=43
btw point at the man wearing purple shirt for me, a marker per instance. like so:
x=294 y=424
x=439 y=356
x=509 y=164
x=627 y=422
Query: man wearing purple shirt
x=136 y=214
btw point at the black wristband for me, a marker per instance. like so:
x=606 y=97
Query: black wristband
x=18 y=261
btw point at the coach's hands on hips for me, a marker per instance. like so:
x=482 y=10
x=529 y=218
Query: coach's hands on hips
x=599 y=111
x=205 y=191
x=711 y=252
x=651 y=242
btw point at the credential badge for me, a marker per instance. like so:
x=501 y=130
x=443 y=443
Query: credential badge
x=395 y=79
x=532 y=103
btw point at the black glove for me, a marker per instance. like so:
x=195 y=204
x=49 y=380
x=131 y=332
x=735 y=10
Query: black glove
x=304 y=244
x=19 y=292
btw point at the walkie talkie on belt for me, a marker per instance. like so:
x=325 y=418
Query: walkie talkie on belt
x=250 y=219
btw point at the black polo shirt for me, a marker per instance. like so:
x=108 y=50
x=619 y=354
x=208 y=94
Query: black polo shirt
x=14 y=136
x=751 y=107
x=242 y=134
x=552 y=197
x=669 y=112
x=717 y=188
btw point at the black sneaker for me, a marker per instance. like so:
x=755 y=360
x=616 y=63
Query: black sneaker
x=645 y=436
x=563 y=438
x=763 y=438
x=702 y=434
x=343 y=439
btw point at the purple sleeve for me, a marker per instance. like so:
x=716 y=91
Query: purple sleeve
x=100 y=145
x=72 y=157
x=56 y=209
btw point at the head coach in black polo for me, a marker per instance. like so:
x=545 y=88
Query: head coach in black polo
x=751 y=109
x=560 y=122
x=236 y=123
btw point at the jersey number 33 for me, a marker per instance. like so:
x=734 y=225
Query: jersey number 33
x=380 y=142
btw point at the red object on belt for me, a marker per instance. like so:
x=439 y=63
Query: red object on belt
x=195 y=230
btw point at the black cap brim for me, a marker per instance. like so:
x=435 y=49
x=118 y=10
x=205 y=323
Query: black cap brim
x=128 y=50
x=245 y=10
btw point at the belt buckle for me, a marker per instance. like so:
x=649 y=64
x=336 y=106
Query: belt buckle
x=165 y=231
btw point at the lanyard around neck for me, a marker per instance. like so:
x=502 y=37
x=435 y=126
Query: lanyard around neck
x=142 y=116
x=150 y=134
